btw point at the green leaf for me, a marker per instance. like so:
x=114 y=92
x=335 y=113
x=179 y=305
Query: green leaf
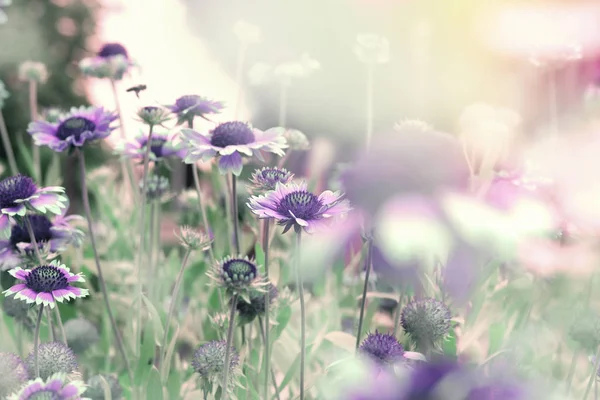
x=25 y=156
x=53 y=176
x=169 y=353
x=496 y=337
x=449 y=344
x=283 y=318
x=154 y=388
x=105 y=388
x=156 y=323
x=259 y=254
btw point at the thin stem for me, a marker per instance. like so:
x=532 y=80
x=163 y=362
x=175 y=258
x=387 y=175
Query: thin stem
x=174 y=296
x=365 y=287
x=228 y=346
x=61 y=327
x=50 y=325
x=34 y=114
x=33 y=241
x=268 y=370
x=369 y=90
x=593 y=375
x=19 y=330
x=398 y=312
x=300 y=286
x=12 y=163
x=283 y=99
x=234 y=214
x=571 y=371
x=150 y=252
x=266 y=225
x=101 y=281
x=36 y=341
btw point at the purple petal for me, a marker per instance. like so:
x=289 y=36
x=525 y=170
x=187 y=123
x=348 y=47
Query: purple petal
x=4 y=223
x=15 y=288
x=31 y=389
x=27 y=294
x=19 y=209
x=75 y=291
x=232 y=162
x=45 y=298
x=21 y=274
x=42 y=127
x=55 y=385
x=69 y=391
x=62 y=294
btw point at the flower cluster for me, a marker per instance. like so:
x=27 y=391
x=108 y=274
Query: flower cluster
x=267 y=178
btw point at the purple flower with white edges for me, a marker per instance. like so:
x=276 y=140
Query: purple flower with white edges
x=190 y=106
x=112 y=61
x=293 y=206
x=230 y=141
x=46 y=284
x=73 y=129
x=161 y=146
x=20 y=193
x=57 y=387
x=267 y=178
x=56 y=234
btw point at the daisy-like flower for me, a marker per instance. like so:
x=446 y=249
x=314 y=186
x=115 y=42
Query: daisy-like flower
x=73 y=129
x=56 y=235
x=190 y=106
x=266 y=178
x=57 y=387
x=237 y=275
x=46 y=284
x=229 y=141
x=153 y=115
x=382 y=348
x=20 y=193
x=161 y=146
x=293 y=206
x=112 y=61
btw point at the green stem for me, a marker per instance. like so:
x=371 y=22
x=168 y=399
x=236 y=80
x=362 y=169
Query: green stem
x=571 y=371
x=34 y=114
x=268 y=370
x=234 y=214
x=266 y=225
x=61 y=327
x=593 y=375
x=36 y=341
x=101 y=281
x=365 y=288
x=50 y=325
x=398 y=312
x=369 y=90
x=174 y=295
x=33 y=241
x=300 y=286
x=228 y=345
x=10 y=154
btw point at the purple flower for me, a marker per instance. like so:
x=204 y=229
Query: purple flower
x=56 y=234
x=293 y=206
x=13 y=374
x=237 y=274
x=73 y=129
x=20 y=193
x=161 y=146
x=112 y=61
x=190 y=106
x=46 y=284
x=382 y=348
x=56 y=388
x=266 y=178
x=229 y=141
x=109 y=50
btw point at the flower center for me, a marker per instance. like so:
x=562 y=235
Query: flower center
x=156 y=145
x=41 y=230
x=16 y=188
x=112 y=49
x=74 y=127
x=232 y=134
x=302 y=204
x=238 y=269
x=274 y=175
x=46 y=278
x=44 y=395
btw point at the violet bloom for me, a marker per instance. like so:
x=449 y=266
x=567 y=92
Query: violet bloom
x=57 y=387
x=20 y=193
x=161 y=146
x=382 y=348
x=229 y=141
x=267 y=178
x=74 y=129
x=293 y=206
x=190 y=106
x=46 y=284
x=112 y=61
x=56 y=234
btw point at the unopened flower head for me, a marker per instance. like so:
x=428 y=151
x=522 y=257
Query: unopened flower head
x=248 y=311
x=20 y=193
x=33 y=71
x=46 y=284
x=237 y=275
x=372 y=48
x=190 y=106
x=230 y=141
x=157 y=188
x=162 y=146
x=586 y=331
x=112 y=62
x=194 y=239
x=427 y=321
x=154 y=115
x=73 y=129
x=53 y=358
x=383 y=349
x=209 y=361
x=296 y=140
x=4 y=94
x=293 y=206
x=13 y=374
x=95 y=387
x=18 y=310
x=81 y=334
x=56 y=387
x=266 y=178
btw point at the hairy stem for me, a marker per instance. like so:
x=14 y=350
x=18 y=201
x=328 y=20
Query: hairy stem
x=36 y=341
x=365 y=288
x=61 y=327
x=228 y=345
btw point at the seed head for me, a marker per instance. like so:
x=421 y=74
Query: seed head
x=296 y=140
x=81 y=334
x=427 y=321
x=95 y=387
x=193 y=239
x=248 y=311
x=153 y=115
x=157 y=188
x=236 y=275
x=13 y=374
x=209 y=360
x=53 y=358
x=19 y=310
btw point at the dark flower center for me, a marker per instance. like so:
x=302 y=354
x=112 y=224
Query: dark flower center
x=239 y=269
x=112 y=49
x=46 y=278
x=41 y=230
x=156 y=145
x=45 y=395
x=232 y=134
x=74 y=127
x=302 y=204
x=16 y=188
x=274 y=175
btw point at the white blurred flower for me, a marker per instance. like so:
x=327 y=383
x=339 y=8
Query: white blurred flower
x=412 y=125
x=247 y=33
x=555 y=55
x=262 y=73
x=372 y=48
x=33 y=71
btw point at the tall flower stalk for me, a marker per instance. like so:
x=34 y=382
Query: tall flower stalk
x=101 y=281
x=10 y=155
x=36 y=340
x=268 y=370
x=267 y=328
x=300 y=285
x=37 y=168
x=229 y=344
x=368 y=262
x=234 y=214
